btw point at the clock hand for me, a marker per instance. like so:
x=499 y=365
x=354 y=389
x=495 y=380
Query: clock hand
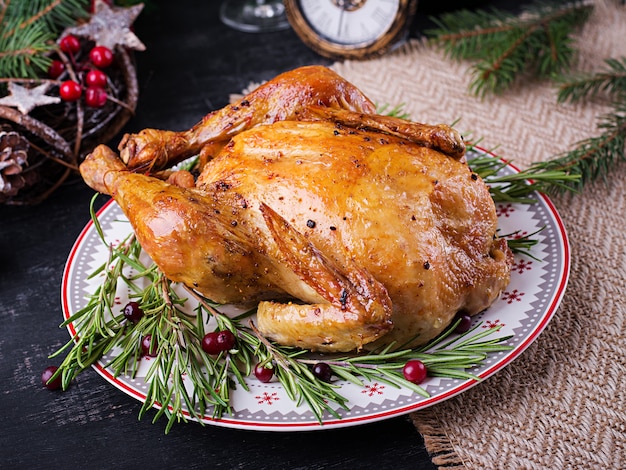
x=339 y=27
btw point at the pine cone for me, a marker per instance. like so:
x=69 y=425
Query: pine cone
x=13 y=160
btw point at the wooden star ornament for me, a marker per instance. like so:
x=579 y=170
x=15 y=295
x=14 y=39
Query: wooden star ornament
x=110 y=27
x=27 y=99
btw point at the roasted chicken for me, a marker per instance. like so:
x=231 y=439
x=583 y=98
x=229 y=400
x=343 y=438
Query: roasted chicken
x=346 y=228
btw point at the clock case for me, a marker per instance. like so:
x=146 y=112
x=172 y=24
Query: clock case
x=394 y=35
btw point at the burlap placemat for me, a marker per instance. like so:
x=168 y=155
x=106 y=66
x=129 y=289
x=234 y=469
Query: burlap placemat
x=562 y=404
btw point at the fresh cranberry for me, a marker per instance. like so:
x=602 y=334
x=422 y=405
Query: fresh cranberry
x=264 y=374
x=149 y=346
x=414 y=371
x=101 y=56
x=218 y=341
x=464 y=324
x=96 y=78
x=56 y=69
x=322 y=371
x=70 y=44
x=70 y=90
x=95 y=97
x=133 y=312
x=47 y=374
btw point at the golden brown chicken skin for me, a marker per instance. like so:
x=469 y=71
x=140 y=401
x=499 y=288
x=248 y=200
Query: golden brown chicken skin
x=346 y=231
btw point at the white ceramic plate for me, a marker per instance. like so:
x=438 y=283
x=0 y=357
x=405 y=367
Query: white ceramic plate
x=523 y=310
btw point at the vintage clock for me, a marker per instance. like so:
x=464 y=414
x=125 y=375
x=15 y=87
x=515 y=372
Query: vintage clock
x=350 y=29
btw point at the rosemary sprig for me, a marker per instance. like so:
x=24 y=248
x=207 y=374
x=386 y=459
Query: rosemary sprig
x=522 y=244
x=180 y=358
x=450 y=360
x=395 y=111
x=519 y=187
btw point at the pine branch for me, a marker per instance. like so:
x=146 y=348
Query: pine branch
x=28 y=33
x=594 y=158
x=505 y=46
x=611 y=80
x=24 y=55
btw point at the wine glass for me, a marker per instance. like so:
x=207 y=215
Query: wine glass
x=254 y=16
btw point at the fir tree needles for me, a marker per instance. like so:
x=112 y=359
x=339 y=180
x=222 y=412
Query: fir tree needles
x=504 y=45
x=28 y=30
x=593 y=158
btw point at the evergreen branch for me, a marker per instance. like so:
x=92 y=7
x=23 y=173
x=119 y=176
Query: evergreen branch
x=504 y=46
x=611 y=81
x=28 y=33
x=55 y=14
x=594 y=158
x=24 y=55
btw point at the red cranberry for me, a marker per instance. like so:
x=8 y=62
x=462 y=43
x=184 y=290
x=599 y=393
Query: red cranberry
x=95 y=97
x=101 y=56
x=47 y=374
x=264 y=374
x=464 y=324
x=70 y=44
x=322 y=371
x=96 y=78
x=414 y=371
x=218 y=341
x=70 y=90
x=149 y=346
x=132 y=311
x=56 y=69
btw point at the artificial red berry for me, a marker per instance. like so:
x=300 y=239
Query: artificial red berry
x=465 y=322
x=149 y=346
x=132 y=311
x=264 y=374
x=414 y=371
x=70 y=90
x=101 y=56
x=322 y=371
x=96 y=78
x=56 y=69
x=70 y=44
x=47 y=374
x=95 y=97
x=218 y=341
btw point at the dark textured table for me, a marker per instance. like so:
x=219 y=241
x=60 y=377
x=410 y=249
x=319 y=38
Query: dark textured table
x=192 y=64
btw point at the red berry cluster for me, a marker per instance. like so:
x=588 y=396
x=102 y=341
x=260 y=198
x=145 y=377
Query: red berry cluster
x=93 y=80
x=217 y=342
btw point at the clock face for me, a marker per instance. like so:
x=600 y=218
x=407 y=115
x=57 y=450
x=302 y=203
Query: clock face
x=350 y=22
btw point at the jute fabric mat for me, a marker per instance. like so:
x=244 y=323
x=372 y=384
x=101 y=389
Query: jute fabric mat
x=562 y=403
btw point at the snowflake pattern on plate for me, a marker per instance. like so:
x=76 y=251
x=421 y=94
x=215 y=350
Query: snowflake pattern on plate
x=523 y=311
